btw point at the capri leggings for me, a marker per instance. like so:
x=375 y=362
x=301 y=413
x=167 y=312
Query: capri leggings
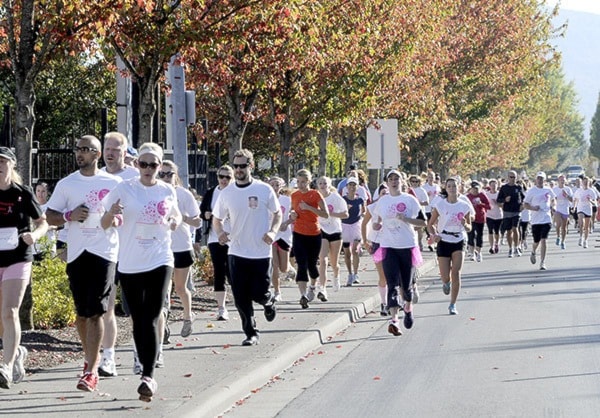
x=218 y=256
x=398 y=270
x=306 y=250
x=475 y=235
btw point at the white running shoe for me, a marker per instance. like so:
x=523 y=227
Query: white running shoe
x=310 y=293
x=336 y=284
x=107 y=367
x=585 y=244
x=18 y=365
x=222 y=314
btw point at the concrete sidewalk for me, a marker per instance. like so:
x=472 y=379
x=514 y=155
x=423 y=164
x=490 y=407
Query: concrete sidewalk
x=208 y=372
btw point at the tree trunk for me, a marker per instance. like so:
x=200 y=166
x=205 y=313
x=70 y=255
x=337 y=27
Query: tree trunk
x=236 y=124
x=323 y=136
x=25 y=122
x=147 y=110
x=349 y=140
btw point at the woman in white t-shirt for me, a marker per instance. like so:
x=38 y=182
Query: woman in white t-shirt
x=449 y=223
x=282 y=243
x=181 y=243
x=331 y=234
x=583 y=201
x=145 y=210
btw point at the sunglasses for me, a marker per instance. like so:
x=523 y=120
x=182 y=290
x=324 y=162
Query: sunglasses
x=84 y=150
x=144 y=164
x=222 y=176
x=242 y=166
x=512 y=177
x=163 y=174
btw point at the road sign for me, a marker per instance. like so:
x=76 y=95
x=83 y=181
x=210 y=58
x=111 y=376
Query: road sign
x=383 y=150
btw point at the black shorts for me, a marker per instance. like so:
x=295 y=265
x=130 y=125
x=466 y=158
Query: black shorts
x=91 y=279
x=510 y=223
x=282 y=245
x=445 y=249
x=183 y=259
x=540 y=232
x=493 y=225
x=336 y=236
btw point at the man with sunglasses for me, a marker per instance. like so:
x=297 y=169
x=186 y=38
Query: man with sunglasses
x=91 y=250
x=510 y=198
x=255 y=216
x=114 y=152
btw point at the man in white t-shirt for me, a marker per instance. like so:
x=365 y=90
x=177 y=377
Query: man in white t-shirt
x=115 y=149
x=91 y=250
x=255 y=215
x=539 y=200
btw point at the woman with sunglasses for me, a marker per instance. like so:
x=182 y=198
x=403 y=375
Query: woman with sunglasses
x=145 y=210
x=181 y=244
x=218 y=252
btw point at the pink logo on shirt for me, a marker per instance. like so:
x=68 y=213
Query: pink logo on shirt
x=330 y=208
x=154 y=212
x=93 y=199
x=460 y=216
x=283 y=210
x=400 y=207
x=161 y=208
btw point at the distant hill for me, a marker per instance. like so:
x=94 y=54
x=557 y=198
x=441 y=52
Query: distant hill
x=580 y=49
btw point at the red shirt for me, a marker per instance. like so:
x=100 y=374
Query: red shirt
x=307 y=222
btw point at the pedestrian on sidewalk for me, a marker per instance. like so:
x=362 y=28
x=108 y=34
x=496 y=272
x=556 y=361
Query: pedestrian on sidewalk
x=450 y=221
x=255 y=216
x=18 y=210
x=540 y=201
x=331 y=232
x=307 y=206
x=91 y=250
x=218 y=252
x=398 y=214
x=145 y=210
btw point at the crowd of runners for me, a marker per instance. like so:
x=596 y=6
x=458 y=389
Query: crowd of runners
x=132 y=224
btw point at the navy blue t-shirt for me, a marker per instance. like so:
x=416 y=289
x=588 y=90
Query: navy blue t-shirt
x=353 y=209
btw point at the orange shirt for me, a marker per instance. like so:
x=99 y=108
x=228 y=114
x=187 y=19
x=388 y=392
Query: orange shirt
x=307 y=222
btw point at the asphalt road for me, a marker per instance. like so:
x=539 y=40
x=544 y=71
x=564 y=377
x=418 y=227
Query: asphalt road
x=525 y=344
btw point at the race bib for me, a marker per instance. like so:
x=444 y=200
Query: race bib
x=9 y=238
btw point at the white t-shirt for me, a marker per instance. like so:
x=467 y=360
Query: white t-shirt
x=542 y=197
x=127 y=173
x=77 y=189
x=181 y=238
x=212 y=236
x=285 y=203
x=373 y=235
x=495 y=211
x=250 y=210
x=432 y=191
x=335 y=204
x=450 y=218
x=421 y=194
x=145 y=235
x=584 y=199
x=562 y=202
x=394 y=232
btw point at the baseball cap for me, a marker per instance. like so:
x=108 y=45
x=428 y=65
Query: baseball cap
x=475 y=183
x=352 y=180
x=396 y=172
x=8 y=154
x=132 y=152
x=541 y=174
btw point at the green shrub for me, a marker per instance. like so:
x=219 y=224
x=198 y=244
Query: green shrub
x=203 y=267
x=52 y=300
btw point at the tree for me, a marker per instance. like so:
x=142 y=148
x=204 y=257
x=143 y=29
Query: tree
x=595 y=132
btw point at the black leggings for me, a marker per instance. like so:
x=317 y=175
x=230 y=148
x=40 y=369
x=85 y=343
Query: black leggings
x=306 y=250
x=398 y=270
x=475 y=235
x=145 y=293
x=218 y=256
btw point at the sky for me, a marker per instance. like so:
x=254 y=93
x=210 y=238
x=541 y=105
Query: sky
x=590 y=6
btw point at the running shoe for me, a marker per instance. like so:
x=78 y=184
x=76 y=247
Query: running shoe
x=336 y=284
x=187 y=329
x=107 y=367
x=510 y=253
x=310 y=293
x=253 y=340
x=291 y=274
x=278 y=297
x=137 y=366
x=496 y=249
x=542 y=266
x=452 y=309
x=580 y=241
x=562 y=245
x=557 y=241
x=470 y=256
x=18 y=365
x=416 y=295
x=88 y=382
x=394 y=328
x=532 y=258
x=478 y=257
x=525 y=245
x=350 y=280
x=519 y=252
x=446 y=288
x=304 y=302
x=585 y=244
x=408 y=320
x=5 y=378
x=147 y=389
x=270 y=310
x=160 y=360
x=322 y=295
x=384 y=311
x=491 y=250
x=355 y=279
x=222 y=314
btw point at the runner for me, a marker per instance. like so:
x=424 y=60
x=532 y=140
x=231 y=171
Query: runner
x=511 y=197
x=583 y=200
x=351 y=237
x=481 y=205
x=540 y=200
x=564 y=198
x=493 y=217
x=283 y=239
